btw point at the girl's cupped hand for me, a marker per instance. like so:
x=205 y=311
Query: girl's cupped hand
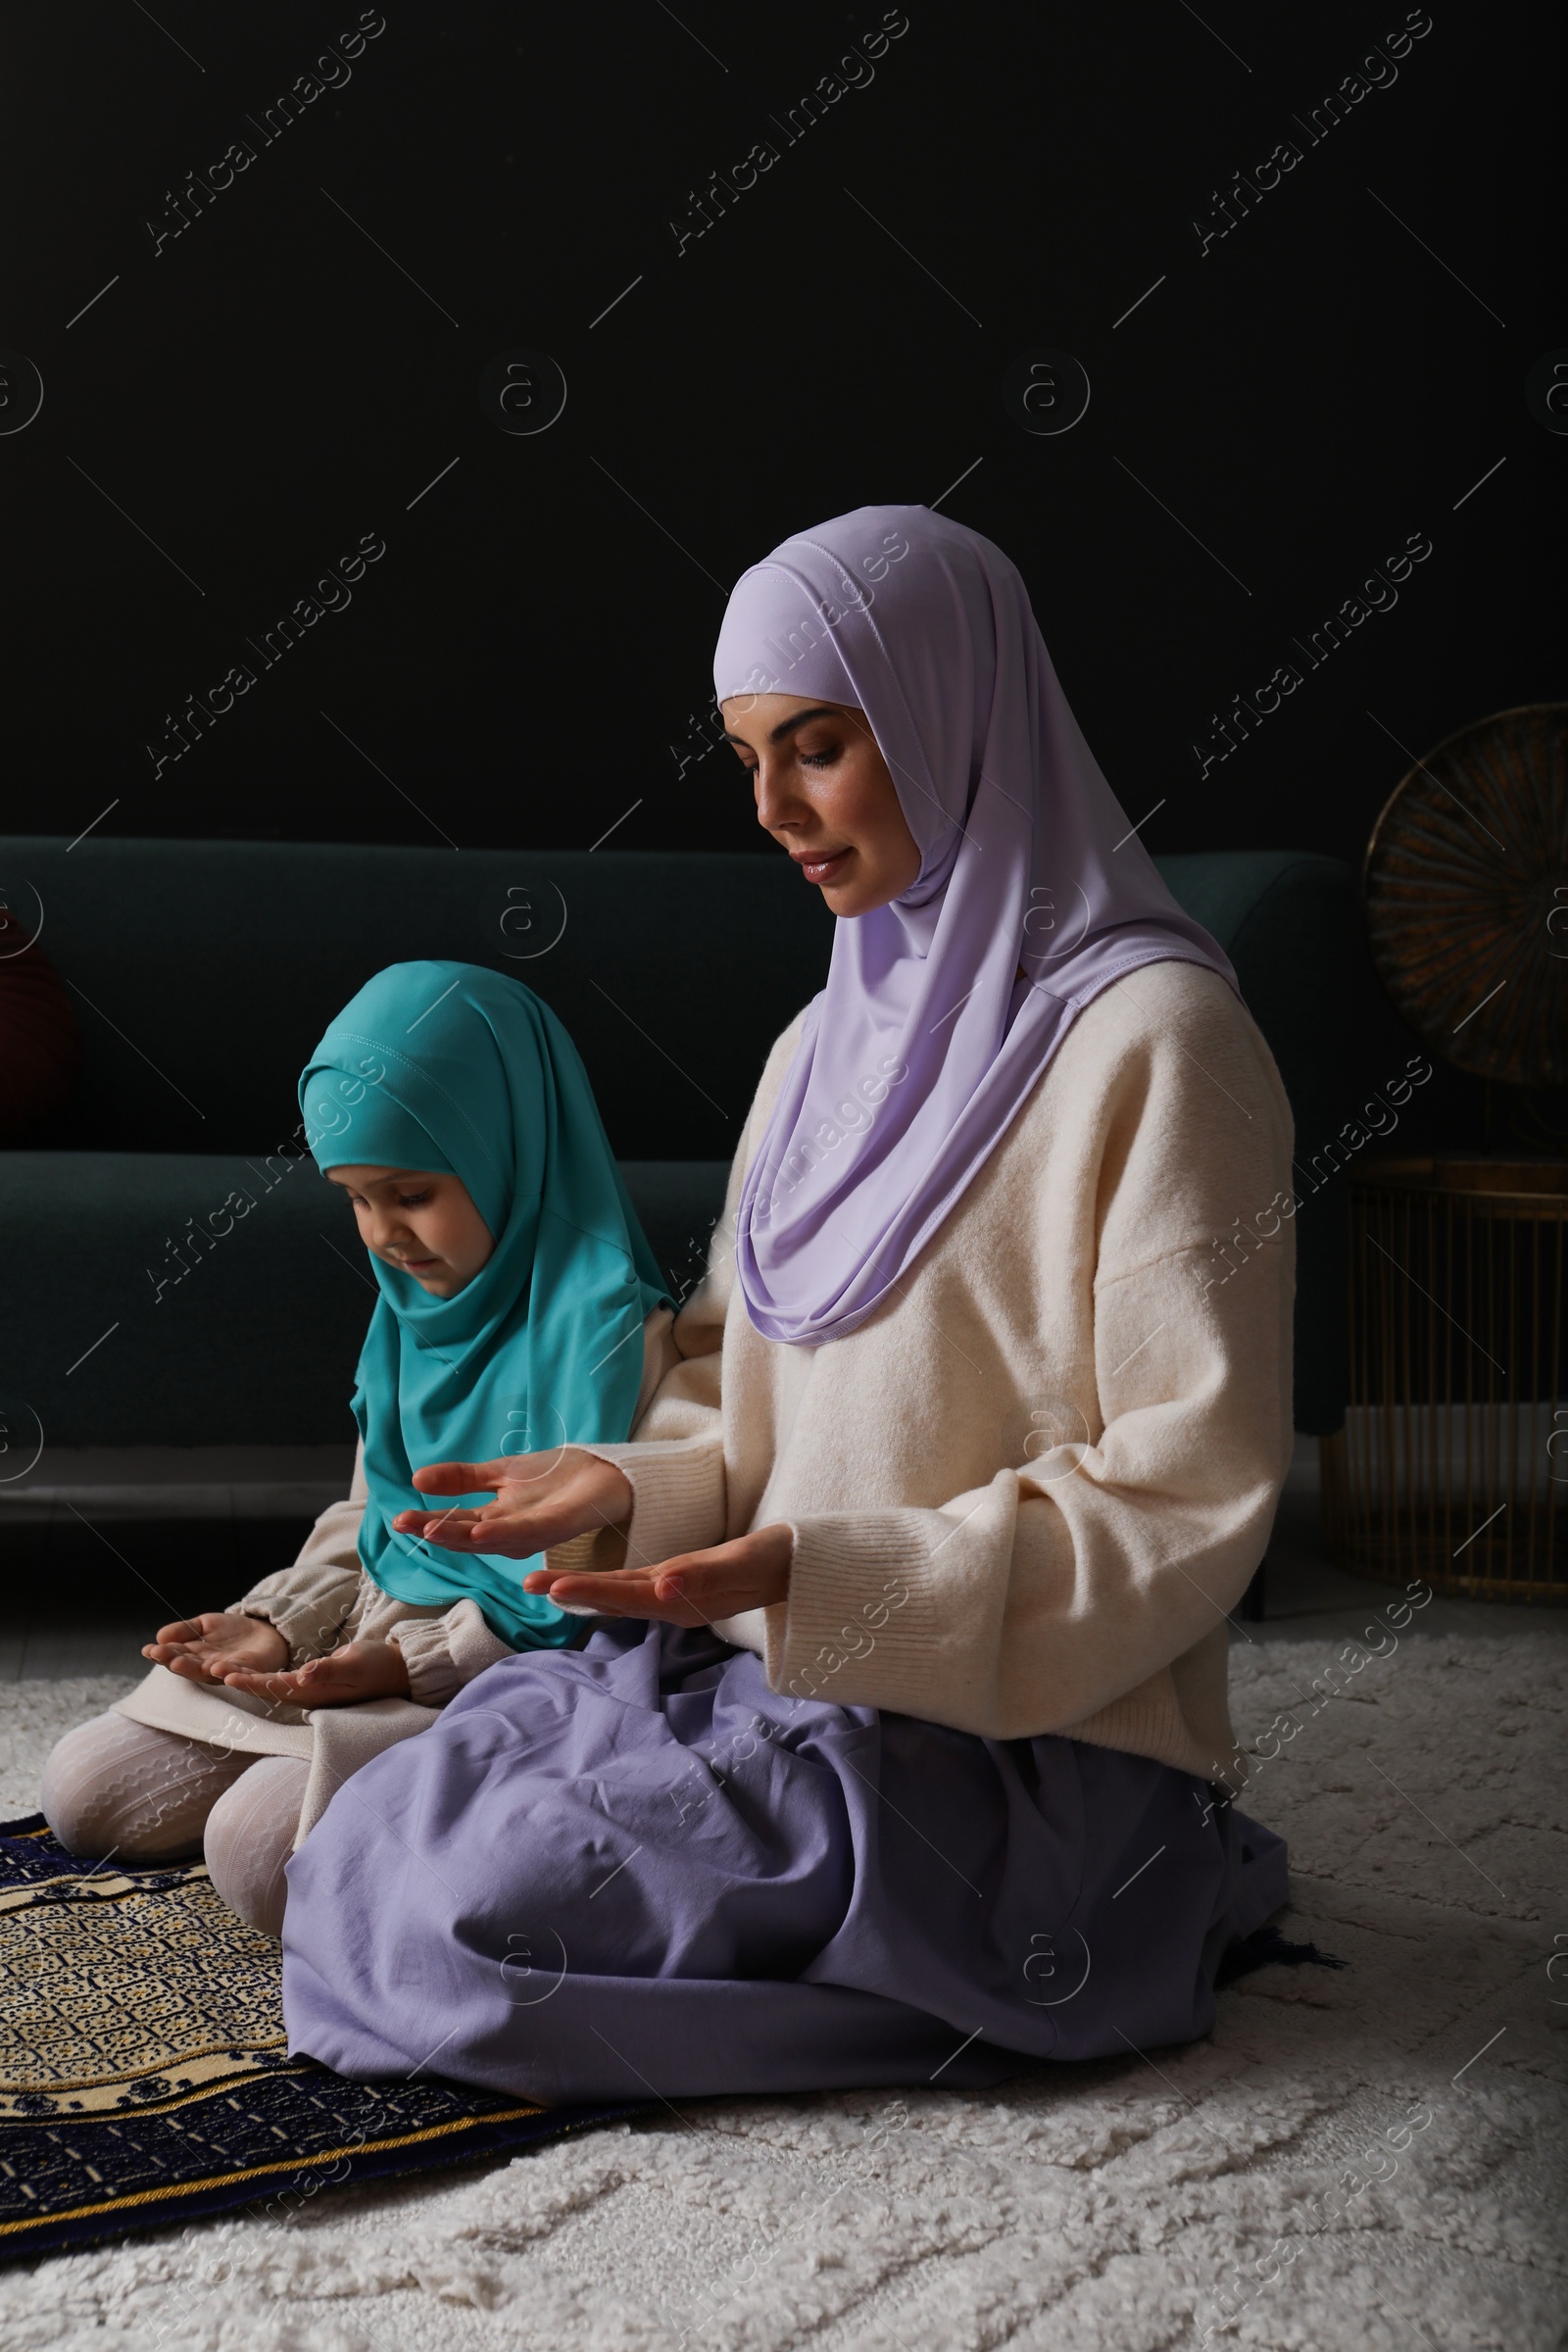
x=216 y=1645
x=539 y=1500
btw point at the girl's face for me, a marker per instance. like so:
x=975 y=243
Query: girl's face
x=825 y=793
x=425 y=1225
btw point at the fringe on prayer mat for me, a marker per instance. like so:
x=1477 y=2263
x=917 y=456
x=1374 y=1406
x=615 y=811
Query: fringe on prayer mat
x=144 y=2077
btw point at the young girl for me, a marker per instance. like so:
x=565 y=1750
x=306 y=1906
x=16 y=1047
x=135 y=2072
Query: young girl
x=520 y=1309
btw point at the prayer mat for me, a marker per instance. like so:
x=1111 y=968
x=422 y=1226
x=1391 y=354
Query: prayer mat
x=144 y=2074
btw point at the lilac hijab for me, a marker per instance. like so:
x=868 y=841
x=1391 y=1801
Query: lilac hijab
x=942 y=1009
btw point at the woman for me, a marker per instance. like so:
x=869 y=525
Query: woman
x=519 y=1304
x=894 y=1761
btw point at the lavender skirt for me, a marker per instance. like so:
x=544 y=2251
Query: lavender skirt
x=634 y=1870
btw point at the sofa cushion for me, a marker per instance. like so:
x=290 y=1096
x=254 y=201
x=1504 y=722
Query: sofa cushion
x=204 y=1300
x=208 y=970
x=40 y=1042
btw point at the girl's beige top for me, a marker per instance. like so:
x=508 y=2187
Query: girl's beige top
x=1027 y=1490
x=324 y=1600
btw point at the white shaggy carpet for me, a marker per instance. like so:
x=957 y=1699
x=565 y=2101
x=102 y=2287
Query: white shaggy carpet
x=1418 y=2095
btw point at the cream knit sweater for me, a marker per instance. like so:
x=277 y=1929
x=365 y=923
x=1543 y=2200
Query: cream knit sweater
x=1026 y=1492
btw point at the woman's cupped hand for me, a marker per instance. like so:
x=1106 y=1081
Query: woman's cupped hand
x=537 y=1499
x=543 y=1499
x=695 y=1588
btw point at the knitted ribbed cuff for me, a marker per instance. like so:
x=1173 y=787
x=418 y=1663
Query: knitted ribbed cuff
x=856 y=1629
x=596 y=1551
x=677 y=1489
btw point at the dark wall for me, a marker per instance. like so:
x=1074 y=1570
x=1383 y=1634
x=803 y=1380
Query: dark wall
x=284 y=378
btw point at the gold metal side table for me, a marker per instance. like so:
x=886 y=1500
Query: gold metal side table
x=1452 y=1464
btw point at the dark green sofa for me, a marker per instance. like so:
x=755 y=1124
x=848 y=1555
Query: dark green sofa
x=204 y=971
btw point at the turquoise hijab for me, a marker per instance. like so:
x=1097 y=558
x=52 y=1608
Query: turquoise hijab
x=454 y=1070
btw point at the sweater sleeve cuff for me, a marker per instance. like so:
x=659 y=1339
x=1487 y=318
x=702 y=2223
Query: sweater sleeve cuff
x=850 y=1577
x=677 y=1487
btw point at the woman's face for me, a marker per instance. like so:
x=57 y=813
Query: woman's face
x=424 y=1224
x=825 y=793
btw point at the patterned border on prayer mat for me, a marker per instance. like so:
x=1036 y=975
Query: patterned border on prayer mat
x=144 y=2076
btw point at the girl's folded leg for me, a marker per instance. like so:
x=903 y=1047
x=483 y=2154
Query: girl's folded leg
x=249 y=1836
x=116 y=1787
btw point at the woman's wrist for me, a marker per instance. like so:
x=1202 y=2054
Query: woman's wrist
x=613 y=1496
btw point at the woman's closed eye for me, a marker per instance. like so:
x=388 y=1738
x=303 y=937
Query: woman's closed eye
x=805 y=758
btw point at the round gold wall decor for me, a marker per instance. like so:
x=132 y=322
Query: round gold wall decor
x=1466 y=886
